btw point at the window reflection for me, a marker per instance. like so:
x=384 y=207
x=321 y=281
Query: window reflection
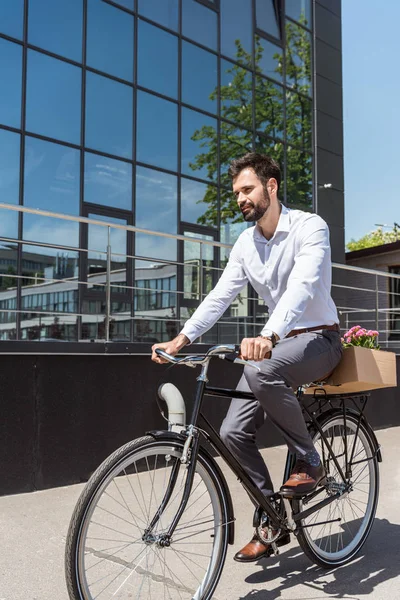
x=158 y=60
x=9 y=166
x=156 y=209
x=56 y=113
x=108 y=181
x=11 y=80
x=8 y=293
x=199 y=273
x=194 y=13
x=298 y=58
x=110 y=39
x=299 y=178
x=94 y=320
x=199 y=203
x=49 y=296
x=97 y=255
x=299 y=10
x=298 y=120
x=199 y=85
x=269 y=107
x=56 y=26
x=12 y=18
x=51 y=177
x=155 y=302
x=236 y=94
x=274 y=149
x=109 y=123
x=165 y=12
x=236 y=28
x=199 y=144
x=269 y=59
x=157 y=137
x=50 y=230
x=267 y=18
x=234 y=142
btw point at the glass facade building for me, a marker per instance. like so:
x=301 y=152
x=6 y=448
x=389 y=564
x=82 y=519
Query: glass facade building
x=129 y=112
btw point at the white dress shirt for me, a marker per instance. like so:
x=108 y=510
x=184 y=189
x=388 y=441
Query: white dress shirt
x=292 y=273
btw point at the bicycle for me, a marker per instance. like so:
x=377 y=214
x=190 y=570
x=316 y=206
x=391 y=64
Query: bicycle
x=156 y=517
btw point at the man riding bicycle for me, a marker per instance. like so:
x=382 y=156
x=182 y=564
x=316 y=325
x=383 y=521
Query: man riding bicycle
x=286 y=258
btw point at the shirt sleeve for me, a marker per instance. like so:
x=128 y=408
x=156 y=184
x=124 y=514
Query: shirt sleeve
x=231 y=282
x=313 y=253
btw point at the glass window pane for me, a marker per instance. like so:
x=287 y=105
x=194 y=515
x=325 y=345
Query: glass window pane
x=56 y=26
x=194 y=13
x=109 y=123
x=11 y=81
x=9 y=166
x=298 y=120
x=157 y=127
x=97 y=258
x=199 y=203
x=236 y=30
x=199 y=145
x=165 y=12
x=51 y=177
x=156 y=205
x=299 y=10
x=275 y=150
x=158 y=60
x=108 y=181
x=236 y=94
x=110 y=39
x=57 y=113
x=12 y=18
x=156 y=209
x=269 y=59
x=199 y=77
x=267 y=19
x=8 y=294
x=126 y=3
x=8 y=223
x=298 y=58
x=299 y=179
x=269 y=107
x=43 y=294
x=50 y=230
x=234 y=142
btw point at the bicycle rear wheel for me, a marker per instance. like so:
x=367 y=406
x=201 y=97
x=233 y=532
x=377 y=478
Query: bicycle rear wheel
x=351 y=516
x=108 y=552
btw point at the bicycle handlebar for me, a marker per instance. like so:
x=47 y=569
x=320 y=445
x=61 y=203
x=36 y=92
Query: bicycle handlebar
x=221 y=351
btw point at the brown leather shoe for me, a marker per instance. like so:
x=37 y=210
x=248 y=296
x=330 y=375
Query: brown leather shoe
x=256 y=549
x=304 y=479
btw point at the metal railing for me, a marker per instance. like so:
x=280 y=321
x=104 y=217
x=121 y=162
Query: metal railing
x=63 y=292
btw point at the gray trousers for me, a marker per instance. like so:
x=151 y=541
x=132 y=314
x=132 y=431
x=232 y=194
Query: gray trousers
x=295 y=361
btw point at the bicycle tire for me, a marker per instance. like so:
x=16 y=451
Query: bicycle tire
x=335 y=544
x=120 y=483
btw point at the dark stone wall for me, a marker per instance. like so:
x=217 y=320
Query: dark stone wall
x=62 y=415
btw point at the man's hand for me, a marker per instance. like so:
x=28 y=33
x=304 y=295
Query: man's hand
x=172 y=347
x=255 y=348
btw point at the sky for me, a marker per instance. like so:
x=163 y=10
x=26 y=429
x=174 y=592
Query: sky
x=371 y=100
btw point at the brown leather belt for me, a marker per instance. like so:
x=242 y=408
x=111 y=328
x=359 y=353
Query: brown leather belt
x=334 y=327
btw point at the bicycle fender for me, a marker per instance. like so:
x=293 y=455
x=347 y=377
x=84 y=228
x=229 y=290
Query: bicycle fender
x=180 y=437
x=364 y=421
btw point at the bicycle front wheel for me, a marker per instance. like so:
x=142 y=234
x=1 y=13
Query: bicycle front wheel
x=111 y=553
x=333 y=535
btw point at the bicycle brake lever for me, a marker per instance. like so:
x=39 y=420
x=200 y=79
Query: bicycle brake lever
x=241 y=361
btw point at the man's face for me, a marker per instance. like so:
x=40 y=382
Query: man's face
x=253 y=200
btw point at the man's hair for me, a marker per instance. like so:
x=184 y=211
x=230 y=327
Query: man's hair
x=263 y=166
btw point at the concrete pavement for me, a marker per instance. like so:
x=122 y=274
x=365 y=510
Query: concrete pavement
x=33 y=528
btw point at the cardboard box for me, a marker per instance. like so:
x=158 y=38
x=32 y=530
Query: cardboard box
x=360 y=370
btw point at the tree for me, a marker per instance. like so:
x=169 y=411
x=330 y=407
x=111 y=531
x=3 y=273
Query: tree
x=236 y=136
x=374 y=238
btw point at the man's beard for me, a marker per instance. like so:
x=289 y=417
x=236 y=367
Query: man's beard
x=256 y=212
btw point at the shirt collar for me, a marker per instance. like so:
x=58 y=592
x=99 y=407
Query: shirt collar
x=283 y=225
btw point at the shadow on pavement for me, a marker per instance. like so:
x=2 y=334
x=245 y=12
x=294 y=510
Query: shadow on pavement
x=377 y=562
